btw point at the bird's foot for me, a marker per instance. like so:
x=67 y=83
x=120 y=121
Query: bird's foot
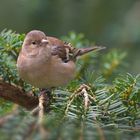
x=45 y=90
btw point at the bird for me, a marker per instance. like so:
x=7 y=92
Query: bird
x=47 y=62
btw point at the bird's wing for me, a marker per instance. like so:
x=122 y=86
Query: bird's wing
x=60 y=48
x=67 y=52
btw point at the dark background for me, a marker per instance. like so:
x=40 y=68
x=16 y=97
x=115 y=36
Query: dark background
x=112 y=23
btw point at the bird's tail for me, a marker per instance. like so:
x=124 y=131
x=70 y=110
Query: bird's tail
x=82 y=51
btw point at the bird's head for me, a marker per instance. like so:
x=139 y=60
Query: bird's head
x=35 y=39
x=35 y=44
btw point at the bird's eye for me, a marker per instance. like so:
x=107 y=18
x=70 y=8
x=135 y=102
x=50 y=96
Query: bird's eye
x=33 y=42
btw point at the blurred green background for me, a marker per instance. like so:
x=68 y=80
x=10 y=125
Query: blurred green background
x=112 y=23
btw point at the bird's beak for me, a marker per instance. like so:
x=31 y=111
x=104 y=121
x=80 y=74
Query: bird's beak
x=44 y=41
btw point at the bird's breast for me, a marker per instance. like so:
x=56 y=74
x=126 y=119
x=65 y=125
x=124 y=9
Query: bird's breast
x=49 y=73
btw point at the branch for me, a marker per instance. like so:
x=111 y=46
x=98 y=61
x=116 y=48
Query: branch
x=16 y=95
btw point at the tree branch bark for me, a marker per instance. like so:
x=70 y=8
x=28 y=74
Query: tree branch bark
x=14 y=94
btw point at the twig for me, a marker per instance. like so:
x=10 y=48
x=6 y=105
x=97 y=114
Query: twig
x=35 y=111
x=86 y=98
x=83 y=91
x=16 y=95
x=100 y=132
x=72 y=97
x=44 y=106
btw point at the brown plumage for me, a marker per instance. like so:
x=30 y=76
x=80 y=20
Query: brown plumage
x=47 y=61
x=66 y=51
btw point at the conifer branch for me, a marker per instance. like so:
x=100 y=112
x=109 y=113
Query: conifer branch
x=16 y=95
